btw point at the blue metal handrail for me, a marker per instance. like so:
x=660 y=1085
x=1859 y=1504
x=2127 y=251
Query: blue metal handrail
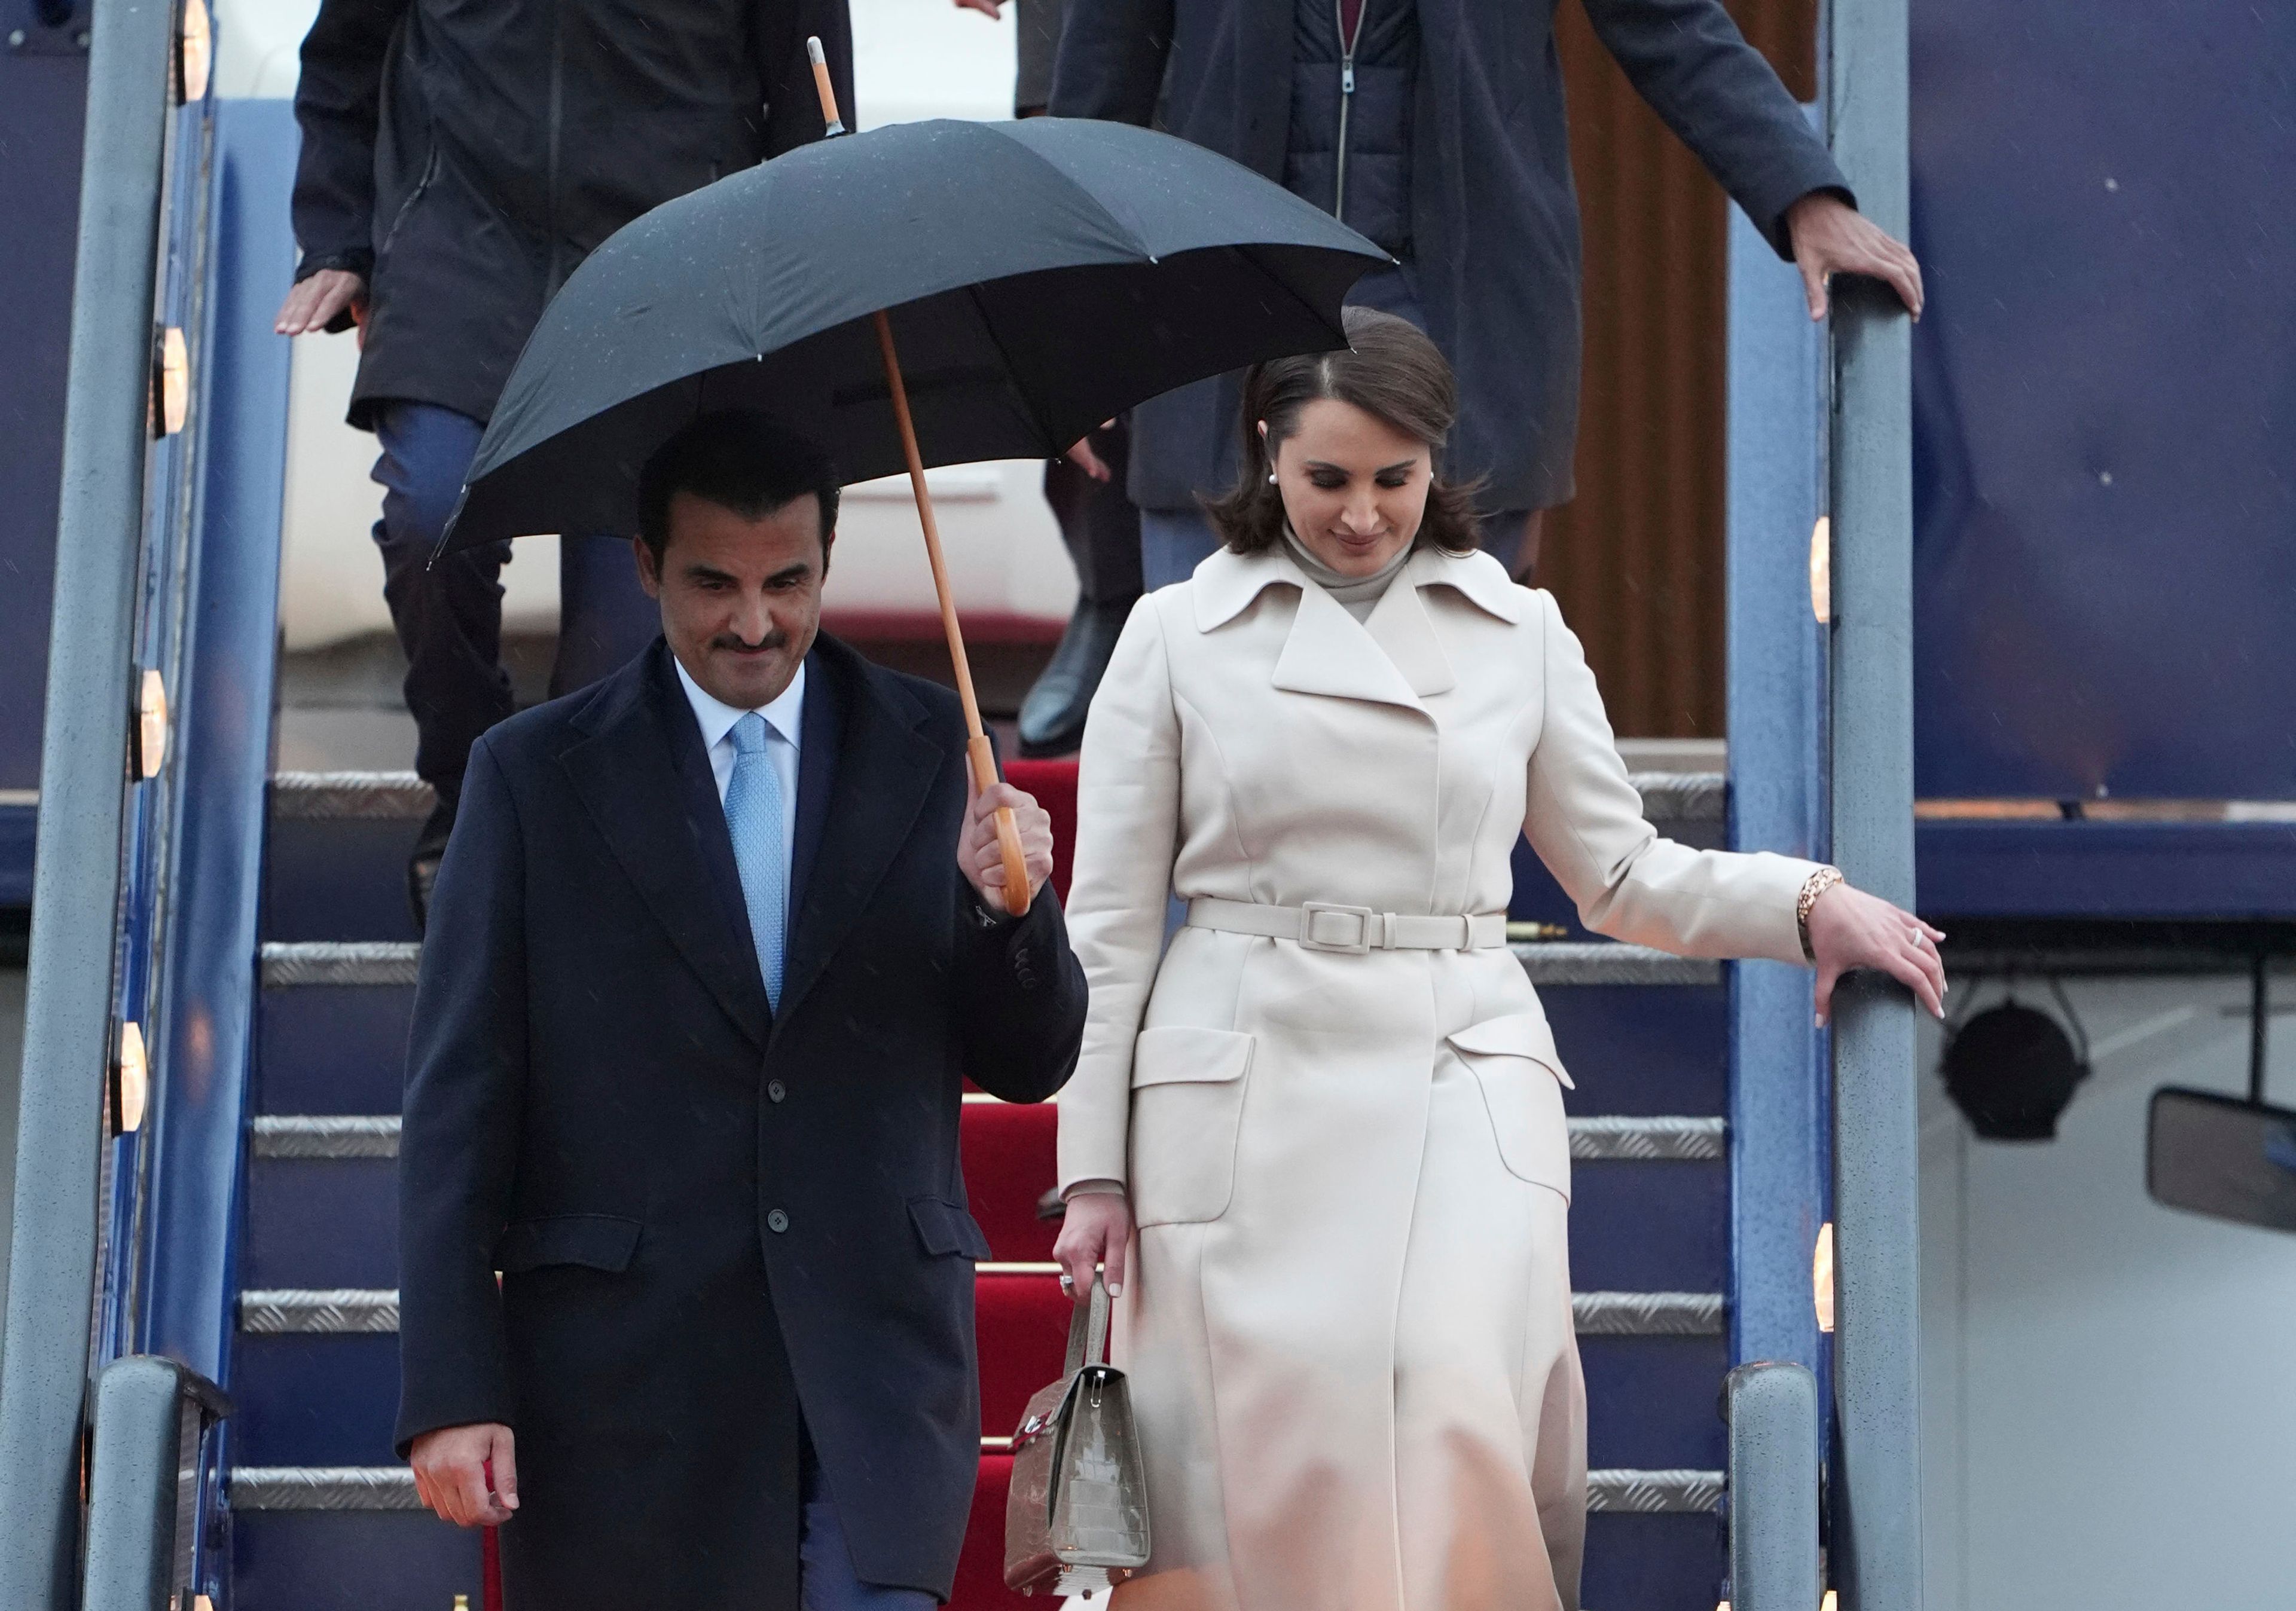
x=148 y=892
x=154 y=1456
x=1875 y=1553
x=77 y=880
x=1772 y=1411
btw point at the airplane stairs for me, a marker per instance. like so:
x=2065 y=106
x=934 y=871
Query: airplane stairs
x=324 y=1517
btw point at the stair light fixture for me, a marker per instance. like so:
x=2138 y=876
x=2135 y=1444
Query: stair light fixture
x=1821 y=570
x=1821 y=1278
x=151 y=724
x=131 y=1081
x=174 y=365
x=195 y=54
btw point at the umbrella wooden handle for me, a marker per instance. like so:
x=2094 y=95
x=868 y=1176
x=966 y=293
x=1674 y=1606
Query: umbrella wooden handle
x=978 y=751
x=1008 y=831
x=983 y=758
x=832 y=123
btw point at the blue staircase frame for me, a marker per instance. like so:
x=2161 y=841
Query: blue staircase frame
x=191 y=892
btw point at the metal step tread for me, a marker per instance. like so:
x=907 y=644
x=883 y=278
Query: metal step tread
x=1668 y=796
x=326 y=1135
x=1666 y=1139
x=391 y=797
x=394 y=963
x=349 y=1488
x=369 y=1312
x=1608 y=962
x=299 y=963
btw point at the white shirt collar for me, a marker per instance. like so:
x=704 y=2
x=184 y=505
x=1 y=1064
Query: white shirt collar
x=717 y=718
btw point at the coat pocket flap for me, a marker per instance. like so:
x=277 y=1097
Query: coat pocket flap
x=1183 y=1054
x=947 y=1228
x=599 y=1242
x=1524 y=1034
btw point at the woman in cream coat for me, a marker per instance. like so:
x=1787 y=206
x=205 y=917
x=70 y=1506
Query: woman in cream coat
x=1325 y=1133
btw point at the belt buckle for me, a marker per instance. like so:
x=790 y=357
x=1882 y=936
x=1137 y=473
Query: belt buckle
x=1310 y=911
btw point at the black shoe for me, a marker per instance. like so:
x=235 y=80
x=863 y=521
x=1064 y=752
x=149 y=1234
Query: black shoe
x=1052 y=717
x=422 y=866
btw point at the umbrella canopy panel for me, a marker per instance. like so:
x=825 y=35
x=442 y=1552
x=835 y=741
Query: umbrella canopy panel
x=1040 y=276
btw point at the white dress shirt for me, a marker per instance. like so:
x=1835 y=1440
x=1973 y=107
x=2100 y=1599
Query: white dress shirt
x=784 y=725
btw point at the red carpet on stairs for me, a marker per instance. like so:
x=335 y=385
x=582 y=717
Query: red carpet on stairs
x=1021 y=1319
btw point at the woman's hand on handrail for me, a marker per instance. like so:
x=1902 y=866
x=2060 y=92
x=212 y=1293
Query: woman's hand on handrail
x=1097 y=1230
x=1850 y=930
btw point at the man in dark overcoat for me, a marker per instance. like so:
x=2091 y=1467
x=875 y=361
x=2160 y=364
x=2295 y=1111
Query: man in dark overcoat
x=1436 y=127
x=459 y=161
x=686 y=1268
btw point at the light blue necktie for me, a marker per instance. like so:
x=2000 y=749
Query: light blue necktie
x=753 y=816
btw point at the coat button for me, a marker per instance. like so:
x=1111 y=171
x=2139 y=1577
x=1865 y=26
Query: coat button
x=777 y=1221
x=776 y=1090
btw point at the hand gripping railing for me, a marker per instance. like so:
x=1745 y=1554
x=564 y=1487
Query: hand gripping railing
x=153 y=1418
x=1772 y=1410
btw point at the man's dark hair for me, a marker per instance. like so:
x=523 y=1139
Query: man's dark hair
x=741 y=460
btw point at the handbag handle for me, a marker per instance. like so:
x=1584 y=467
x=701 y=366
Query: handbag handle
x=1089 y=1330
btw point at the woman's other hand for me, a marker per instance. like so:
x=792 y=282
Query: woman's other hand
x=1095 y=1230
x=1849 y=928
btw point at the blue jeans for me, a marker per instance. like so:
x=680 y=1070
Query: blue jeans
x=448 y=616
x=826 y=1579
x=1172 y=542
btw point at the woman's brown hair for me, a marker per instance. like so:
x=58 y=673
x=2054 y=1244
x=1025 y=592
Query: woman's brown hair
x=1390 y=371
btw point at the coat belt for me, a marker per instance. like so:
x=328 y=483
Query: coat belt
x=1324 y=925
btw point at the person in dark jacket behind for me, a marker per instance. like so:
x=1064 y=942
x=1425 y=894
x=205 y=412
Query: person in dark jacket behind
x=1085 y=488
x=458 y=162
x=1436 y=127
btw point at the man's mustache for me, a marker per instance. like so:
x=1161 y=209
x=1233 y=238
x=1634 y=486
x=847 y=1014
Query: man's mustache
x=772 y=640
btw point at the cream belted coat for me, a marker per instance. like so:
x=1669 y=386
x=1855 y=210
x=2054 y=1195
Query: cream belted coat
x=1347 y=1324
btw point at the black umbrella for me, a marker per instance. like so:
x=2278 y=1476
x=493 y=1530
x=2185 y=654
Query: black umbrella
x=1035 y=277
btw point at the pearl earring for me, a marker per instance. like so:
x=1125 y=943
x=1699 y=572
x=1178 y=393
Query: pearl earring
x=1271 y=478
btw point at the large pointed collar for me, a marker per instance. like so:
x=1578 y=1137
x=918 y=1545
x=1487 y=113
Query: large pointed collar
x=1226 y=584
x=1404 y=661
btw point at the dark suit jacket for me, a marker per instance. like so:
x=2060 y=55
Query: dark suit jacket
x=715 y=1224
x=1494 y=238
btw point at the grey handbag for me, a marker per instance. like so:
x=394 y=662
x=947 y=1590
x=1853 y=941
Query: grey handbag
x=1075 y=1515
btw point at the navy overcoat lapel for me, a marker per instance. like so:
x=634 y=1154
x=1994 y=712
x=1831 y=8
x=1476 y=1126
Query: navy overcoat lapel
x=868 y=805
x=820 y=731
x=644 y=778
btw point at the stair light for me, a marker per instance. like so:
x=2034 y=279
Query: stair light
x=151 y=725
x=1821 y=1277
x=194 y=53
x=1821 y=570
x=1828 y=1603
x=133 y=1082
x=175 y=381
